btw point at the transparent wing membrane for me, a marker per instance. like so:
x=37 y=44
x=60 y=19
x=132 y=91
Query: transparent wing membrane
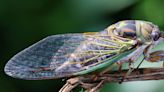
x=40 y=55
x=63 y=55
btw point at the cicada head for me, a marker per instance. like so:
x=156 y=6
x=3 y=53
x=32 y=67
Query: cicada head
x=147 y=31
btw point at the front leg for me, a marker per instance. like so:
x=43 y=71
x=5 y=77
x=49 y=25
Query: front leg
x=156 y=56
x=143 y=49
x=148 y=55
x=130 y=59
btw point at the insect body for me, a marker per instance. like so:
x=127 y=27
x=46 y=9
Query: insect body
x=77 y=54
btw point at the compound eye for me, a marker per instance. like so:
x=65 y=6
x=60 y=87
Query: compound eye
x=155 y=35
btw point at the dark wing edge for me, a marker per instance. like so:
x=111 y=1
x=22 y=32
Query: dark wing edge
x=40 y=55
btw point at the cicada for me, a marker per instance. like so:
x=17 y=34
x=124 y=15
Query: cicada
x=77 y=54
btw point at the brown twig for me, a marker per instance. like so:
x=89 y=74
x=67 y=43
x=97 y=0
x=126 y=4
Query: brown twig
x=89 y=84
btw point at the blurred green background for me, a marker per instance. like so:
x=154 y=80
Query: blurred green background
x=24 y=22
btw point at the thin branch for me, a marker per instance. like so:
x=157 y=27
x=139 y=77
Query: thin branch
x=91 y=84
x=141 y=74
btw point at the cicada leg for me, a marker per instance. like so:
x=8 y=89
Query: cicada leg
x=130 y=59
x=156 y=56
x=131 y=68
x=148 y=55
x=140 y=63
x=153 y=56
